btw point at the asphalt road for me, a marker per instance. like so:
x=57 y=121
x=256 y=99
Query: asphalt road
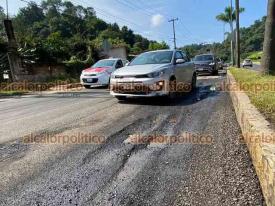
x=125 y=170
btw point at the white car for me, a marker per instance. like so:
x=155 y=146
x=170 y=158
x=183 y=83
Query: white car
x=99 y=74
x=156 y=73
x=247 y=63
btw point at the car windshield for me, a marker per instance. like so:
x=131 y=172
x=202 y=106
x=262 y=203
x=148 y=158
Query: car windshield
x=204 y=58
x=104 y=63
x=161 y=57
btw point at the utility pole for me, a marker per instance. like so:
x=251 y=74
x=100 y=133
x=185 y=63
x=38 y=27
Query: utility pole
x=232 y=34
x=238 y=59
x=173 y=20
x=13 y=57
x=7 y=6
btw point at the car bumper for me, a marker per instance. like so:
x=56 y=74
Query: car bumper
x=247 y=65
x=139 y=87
x=205 y=70
x=95 y=80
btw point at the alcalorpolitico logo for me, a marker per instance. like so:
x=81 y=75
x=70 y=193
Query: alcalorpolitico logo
x=78 y=138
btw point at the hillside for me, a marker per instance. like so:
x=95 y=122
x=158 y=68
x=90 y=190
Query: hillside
x=252 y=39
x=58 y=31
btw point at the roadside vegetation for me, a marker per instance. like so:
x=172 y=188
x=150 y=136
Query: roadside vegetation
x=60 y=32
x=12 y=93
x=261 y=90
x=252 y=39
x=256 y=56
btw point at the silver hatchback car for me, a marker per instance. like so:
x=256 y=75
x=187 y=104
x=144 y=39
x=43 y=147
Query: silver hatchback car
x=155 y=73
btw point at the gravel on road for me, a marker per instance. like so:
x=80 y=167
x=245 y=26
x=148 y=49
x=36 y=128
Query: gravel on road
x=120 y=171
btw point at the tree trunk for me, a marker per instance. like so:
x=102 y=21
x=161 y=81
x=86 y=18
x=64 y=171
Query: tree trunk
x=268 y=61
x=232 y=43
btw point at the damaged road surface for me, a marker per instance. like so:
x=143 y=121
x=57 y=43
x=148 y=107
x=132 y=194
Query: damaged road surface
x=136 y=164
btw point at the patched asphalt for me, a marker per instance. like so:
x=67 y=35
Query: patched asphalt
x=138 y=163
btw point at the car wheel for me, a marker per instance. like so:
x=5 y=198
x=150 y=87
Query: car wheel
x=87 y=87
x=215 y=72
x=194 y=82
x=172 y=88
x=121 y=98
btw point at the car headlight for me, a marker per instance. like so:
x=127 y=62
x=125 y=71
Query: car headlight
x=156 y=74
x=212 y=64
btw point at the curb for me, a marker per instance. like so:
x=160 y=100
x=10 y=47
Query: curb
x=259 y=138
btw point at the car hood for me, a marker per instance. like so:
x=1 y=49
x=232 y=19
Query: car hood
x=140 y=69
x=96 y=70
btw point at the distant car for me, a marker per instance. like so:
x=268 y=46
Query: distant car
x=154 y=74
x=99 y=74
x=206 y=63
x=247 y=63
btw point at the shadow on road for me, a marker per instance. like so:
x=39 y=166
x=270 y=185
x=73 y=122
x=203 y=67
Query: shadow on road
x=201 y=93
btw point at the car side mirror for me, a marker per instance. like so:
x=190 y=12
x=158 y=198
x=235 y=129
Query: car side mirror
x=127 y=64
x=180 y=61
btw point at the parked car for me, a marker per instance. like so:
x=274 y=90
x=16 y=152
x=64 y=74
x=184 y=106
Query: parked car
x=206 y=63
x=99 y=74
x=247 y=63
x=155 y=73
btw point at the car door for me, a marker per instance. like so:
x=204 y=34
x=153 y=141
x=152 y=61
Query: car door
x=181 y=71
x=189 y=68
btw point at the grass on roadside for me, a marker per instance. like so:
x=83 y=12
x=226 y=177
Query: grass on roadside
x=259 y=88
x=11 y=93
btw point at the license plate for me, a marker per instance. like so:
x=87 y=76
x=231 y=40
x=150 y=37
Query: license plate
x=127 y=87
x=89 y=80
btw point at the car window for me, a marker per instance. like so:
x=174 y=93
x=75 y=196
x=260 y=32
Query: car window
x=185 y=56
x=157 y=57
x=125 y=62
x=178 y=55
x=104 y=63
x=204 y=58
x=119 y=64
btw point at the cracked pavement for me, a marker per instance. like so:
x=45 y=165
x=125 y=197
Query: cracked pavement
x=119 y=172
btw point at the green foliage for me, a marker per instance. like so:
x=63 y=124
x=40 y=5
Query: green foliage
x=2 y=16
x=157 y=46
x=255 y=56
x=252 y=39
x=228 y=15
x=61 y=32
x=74 y=66
x=259 y=88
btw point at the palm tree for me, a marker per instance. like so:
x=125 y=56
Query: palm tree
x=229 y=16
x=268 y=62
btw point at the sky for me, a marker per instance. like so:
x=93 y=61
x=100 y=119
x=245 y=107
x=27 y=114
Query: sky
x=196 y=18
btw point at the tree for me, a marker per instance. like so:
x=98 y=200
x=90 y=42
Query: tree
x=59 y=31
x=268 y=62
x=157 y=46
x=2 y=16
x=228 y=17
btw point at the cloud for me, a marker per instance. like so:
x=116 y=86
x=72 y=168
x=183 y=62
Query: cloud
x=157 y=20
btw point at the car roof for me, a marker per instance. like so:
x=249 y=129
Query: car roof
x=205 y=54
x=115 y=59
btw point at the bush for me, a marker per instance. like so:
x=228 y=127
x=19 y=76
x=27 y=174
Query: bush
x=255 y=56
x=75 y=66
